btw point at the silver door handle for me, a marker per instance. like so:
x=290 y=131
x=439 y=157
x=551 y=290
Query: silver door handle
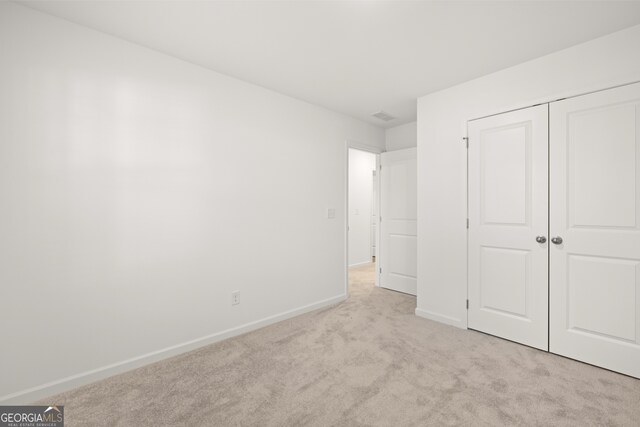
x=556 y=240
x=541 y=239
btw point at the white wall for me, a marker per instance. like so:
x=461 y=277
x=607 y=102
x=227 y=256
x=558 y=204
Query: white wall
x=361 y=167
x=401 y=137
x=138 y=191
x=442 y=117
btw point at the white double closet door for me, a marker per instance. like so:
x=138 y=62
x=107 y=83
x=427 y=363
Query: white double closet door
x=554 y=233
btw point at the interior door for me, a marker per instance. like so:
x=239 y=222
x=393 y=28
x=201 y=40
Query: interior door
x=595 y=210
x=508 y=224
x=398 y=220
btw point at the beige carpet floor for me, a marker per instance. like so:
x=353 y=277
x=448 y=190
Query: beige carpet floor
x=366 y=362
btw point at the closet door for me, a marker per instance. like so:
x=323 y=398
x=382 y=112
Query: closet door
x=595 y=223
x=508 y=224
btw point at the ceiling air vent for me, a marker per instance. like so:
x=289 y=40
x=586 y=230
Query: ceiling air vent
x=384 y=116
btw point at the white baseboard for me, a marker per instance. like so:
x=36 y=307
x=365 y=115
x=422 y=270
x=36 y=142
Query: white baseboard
x=441 y=318
x=357 y=264
x=30 y=395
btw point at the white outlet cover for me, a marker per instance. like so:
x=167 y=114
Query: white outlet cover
x=331 y=213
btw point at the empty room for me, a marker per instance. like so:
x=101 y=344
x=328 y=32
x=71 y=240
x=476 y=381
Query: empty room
x=319 y=213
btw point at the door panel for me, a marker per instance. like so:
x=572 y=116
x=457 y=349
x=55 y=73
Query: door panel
x=504 y=280
x=508 y=209
x=595 y=208
x=602 y=190
x=398 y=225
x=504 y=183
x=610 y=282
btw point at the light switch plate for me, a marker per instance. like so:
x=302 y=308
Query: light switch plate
x=331 y=213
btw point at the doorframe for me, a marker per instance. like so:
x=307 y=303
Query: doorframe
x=351 y=144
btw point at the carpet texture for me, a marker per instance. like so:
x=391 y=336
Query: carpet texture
x=368 y=361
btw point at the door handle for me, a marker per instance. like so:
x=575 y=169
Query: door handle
x=541 y=239
x=556 y=240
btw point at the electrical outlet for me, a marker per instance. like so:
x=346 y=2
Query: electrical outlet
x=235 y=297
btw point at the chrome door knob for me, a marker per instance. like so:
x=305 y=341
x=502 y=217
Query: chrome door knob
x=541 y=239
x=556 y=240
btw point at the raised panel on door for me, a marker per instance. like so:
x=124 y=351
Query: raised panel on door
x=508 y=209
x=398 y=225
x=595 y=209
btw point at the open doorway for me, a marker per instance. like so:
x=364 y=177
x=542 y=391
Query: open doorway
x=363 y=190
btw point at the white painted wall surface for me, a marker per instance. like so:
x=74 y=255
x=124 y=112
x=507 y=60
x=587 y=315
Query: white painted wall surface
x=138 y=191
x=361 y=167
x=401 y=137
x=442 y=236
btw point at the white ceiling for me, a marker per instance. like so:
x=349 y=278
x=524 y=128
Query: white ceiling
x=355 y=57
